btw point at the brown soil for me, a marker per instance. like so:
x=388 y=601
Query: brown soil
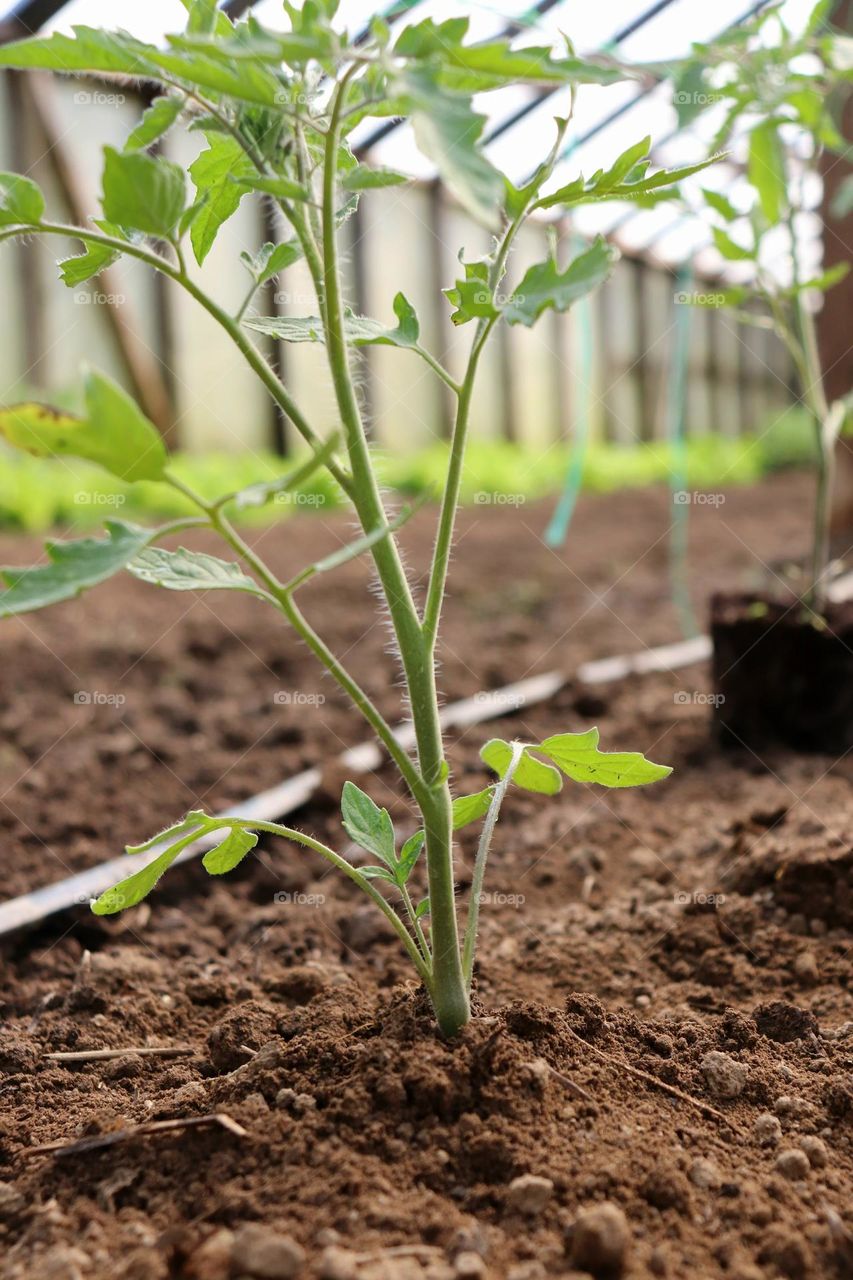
x=664 y=1012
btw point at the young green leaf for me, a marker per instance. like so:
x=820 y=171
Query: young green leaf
x=280 y=187
x=409 y=855
x=271 y=259
x=87 y=50
x=578 y=756
x=638 y=186
x=729 y=248
x=530 y=774
x=721 y=204
x=495 y=62
x=96 y=258
x=127 y=893
x=473 y=297
x=545 y=287
x=230 y=853
x=767 y=170
x=114 y=433
x=367 y=825
x=21 y=201
x=156 y=121
x=378 y=873
x=361 y=331
x=190 y=571
x=447 y=131
x=365 y=178
x=219 y=174
x=422 y=909
x=144 y=192
x=72 y=567
x=468 y=809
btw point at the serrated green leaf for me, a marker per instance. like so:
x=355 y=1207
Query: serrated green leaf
x=447 y=131
x=766 y=170
x=21 y=201
x=202 y=64
x=72 y=567
x=144 y=192
x=530 y=774
x=367 y=825
x=495 y=62
x=636 y=187
x=281 y=188
x=578 y=756
x=545 y=287
x=128 y=893
x=219 y=175
x=365 y=178
x=472 y=297
x=87 y=50
x=468 y=809
x=93 y=261
x=184 y=570
x=409 y=855
x=230 y=853
x=378 y=873
x=729 y=248
x=156 y=121
x=360 y=331
x=114 y=433
x=721 y=204
x=271 y=259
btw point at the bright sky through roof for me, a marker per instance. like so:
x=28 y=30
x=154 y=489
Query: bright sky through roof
x=666 y=36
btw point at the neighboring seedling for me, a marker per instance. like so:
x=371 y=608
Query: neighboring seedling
x=276 y=111
x=790 y=88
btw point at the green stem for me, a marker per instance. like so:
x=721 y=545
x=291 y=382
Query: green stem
x=416 y=924
x=479 y=875
x=449 y=996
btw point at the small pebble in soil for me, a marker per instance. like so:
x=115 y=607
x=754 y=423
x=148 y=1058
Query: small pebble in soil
x=469 y=1265
x=338 y=1264
x=529 y=1193
x=599 y=1240
x=767 y=1130
x=806 y=968
x=792 y=1163
x=815 y=1151
x=704 y=1174
x=264 y=1254
x=725 y=1077
x=212 y=1259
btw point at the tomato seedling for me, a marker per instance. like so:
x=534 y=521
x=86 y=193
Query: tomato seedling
x=276 y=112
x=790 y=87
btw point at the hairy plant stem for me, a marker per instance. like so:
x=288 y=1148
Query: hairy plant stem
x=448 y=992
x=816 y=402
x=470 y=946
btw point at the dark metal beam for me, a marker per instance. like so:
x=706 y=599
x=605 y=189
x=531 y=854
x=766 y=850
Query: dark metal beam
x=27 y=17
